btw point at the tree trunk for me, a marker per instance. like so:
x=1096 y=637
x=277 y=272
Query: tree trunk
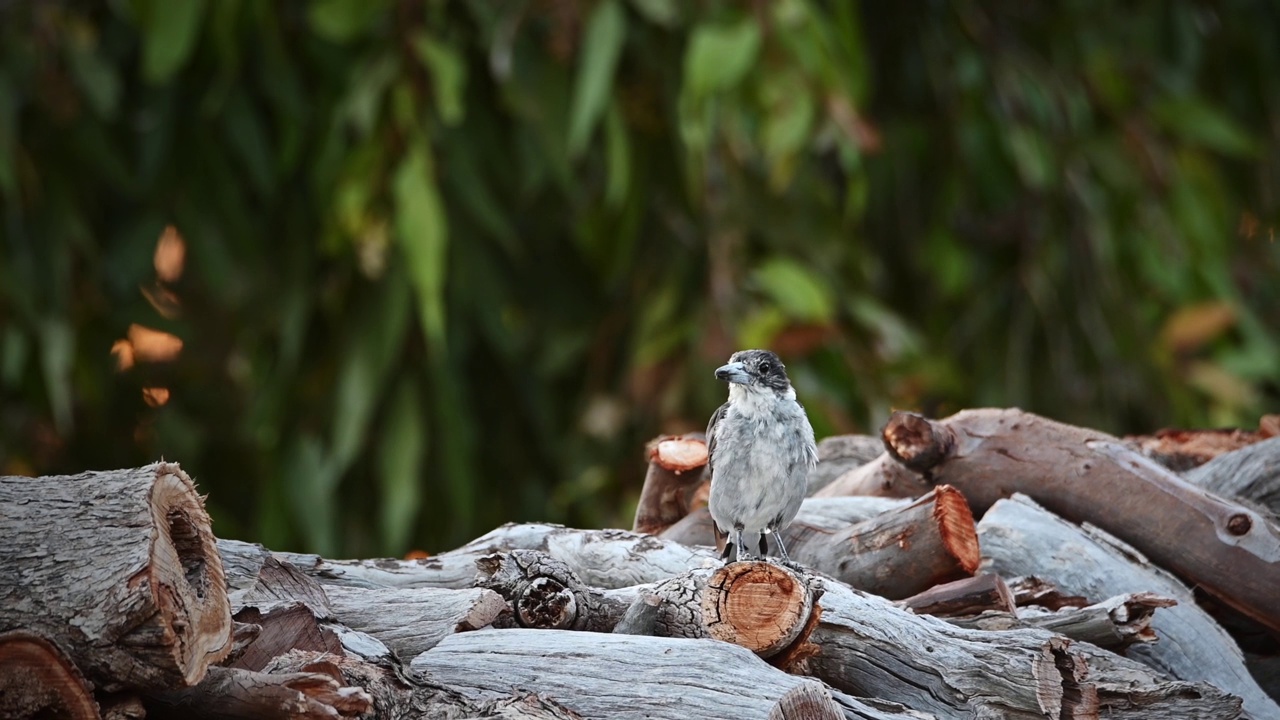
x=119 y=569
x=1021 y=538
x=38 y=681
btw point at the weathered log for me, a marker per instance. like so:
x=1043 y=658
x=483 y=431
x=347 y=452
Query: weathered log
x=283 y=628
x=966 y=596
x=869 y=647
x=816 y=515
x=901 y=552
x=117 y=568
x=122 y=706
x=1182 y=450
x=675 y=471
x=763 y=607
x=1229 y=550
x=1115 y=623
x=1021 y=538
x=1033 y=590
x=412 y=620
x=602 y=558
x=248 y=695
x=1251 y=473
x=882 y=477
x=38 y=681
x=839 y=454
x=634 y=676
x=544 y=593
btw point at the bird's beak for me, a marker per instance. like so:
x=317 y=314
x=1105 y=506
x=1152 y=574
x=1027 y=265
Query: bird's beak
x=734 y=372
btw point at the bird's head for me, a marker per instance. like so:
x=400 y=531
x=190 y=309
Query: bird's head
x=755 y=370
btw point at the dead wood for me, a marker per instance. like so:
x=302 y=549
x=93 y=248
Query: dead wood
x=283 y=628
x=1114 y=624
x=816 y=515
x=119 y=569
x=1229 y=550
x=839 y=454
x=1182 y=450
x=227 y=693
x=38 y=681
x=1251 y=473
x=882 y=477
x=411 y=620
x=869 y=647
x=634 y=676
x=966 y=596
x=1033 y=590
x=675 y=471
x=1021 y=538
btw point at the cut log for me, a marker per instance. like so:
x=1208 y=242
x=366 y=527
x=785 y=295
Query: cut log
x=235 y=693
x=869 y=647
x=898 y=553
x=967 y=596
x=633 y=676
x=839 y=454
x=119 y=569
x=1229 y=550
x=544 y=593
x=882 y=477
x=816 y=515
x=38 y=681
x=1021 y=538
x=675 y=471
x=1114 y=624
x=762 y=607
x=413 y=620
x=1251 y=473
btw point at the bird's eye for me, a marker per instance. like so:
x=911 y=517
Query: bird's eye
x=765 y=367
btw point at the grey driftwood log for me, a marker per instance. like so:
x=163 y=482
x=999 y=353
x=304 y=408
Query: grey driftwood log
x=119 y=569
x=816 y=515
x=1021 y=538
x=1251 y=473
x=838 y=454
x=1114 y=624
x=635 y=676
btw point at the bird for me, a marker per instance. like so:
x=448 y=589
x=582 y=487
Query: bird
x=760 y=451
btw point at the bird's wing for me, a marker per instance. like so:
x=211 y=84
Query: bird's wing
x=711 y=436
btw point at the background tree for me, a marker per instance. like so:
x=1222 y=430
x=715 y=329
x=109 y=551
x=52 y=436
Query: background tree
x=384 y=274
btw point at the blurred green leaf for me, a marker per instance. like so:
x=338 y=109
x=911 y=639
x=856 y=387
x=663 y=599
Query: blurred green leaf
x=719 y=56
x=618 y=147
x=171 y=32
x=796 y=289
x=659 y=12
x=401 y=451
x=448 y=77
x=310 y=479
x=422 y=232
x=602 y=42
x=1032 y=156
x=1196 y=121
x=57 y=351
x=343 y=21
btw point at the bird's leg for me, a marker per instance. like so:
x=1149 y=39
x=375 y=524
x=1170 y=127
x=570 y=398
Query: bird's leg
x=764 y=544
x=782 y=549
x=742 y=552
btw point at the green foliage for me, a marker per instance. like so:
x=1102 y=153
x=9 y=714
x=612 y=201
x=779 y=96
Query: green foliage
x=450 y=264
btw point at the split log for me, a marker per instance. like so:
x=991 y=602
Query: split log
x=1021 y=538
x=869 y=647
x=1229 y=550
x=839 y=454
x=38 y=681
x=967 y=596
x=248 y=695
x=898 y=553
x=1251 y=473
x=634 y=676
x=675 y=471
x=1114 y=624
x=602 y=558
x=118 y=569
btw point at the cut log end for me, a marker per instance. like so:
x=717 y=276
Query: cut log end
x=916 y=441
x=672 y=479
x=679 y=454
x=38 y=681
x=955 y=524
x=186 y=575
x=760 y=606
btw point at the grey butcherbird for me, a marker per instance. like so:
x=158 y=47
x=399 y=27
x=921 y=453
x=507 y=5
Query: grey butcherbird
x=761 y=451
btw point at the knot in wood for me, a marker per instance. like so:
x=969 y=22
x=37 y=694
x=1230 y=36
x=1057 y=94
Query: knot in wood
x=546 y=603
x=1239 y=524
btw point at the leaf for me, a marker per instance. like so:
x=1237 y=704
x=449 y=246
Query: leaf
x=659 y=12
x=342 y=21
x=1195 y=325
x=1196 y=121
x=1032 y=156
x=170 y=36
x=422 y=232
x=796 y=290
x=57 y=352
x=400 y=456
x=310 y=481
x=718 y=57
x=618 y=153
x=602 y=44
x=448 y=77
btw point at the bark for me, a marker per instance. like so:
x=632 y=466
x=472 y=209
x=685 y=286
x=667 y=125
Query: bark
x=967 y=596
x=882 y=477
x=1032 y=590
x=816 y=515
x=839 y=454
x=283 y=628
x=1115 y=623
x=1229 y=550
x=898 y=553
x=675 y=471
x=119 y=569
x=413 y=620
x=545 y=593
x=38 y=681
x=869 y=647
x=1182 y=450
x=634 y=676
x=1020 y=538
x=1251 y=473
x=227 y=693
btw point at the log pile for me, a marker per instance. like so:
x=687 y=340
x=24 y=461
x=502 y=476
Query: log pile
x=990 y=564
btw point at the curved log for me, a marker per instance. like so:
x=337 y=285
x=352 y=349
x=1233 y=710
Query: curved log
x=38 y=681
x=675 y=471
x=119 y=569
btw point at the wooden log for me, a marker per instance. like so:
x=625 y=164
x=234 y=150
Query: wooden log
x=816 y=515
x=1183 y=450
x=675 y=471
x=38 y=681
x=119 y=569
x=966 y=596
x=545 y=593
x=122 y=706
x=249 y=695
x=281 y=629
x=1021 y=538
x=1251 y=473
x=1114 y=624
x=634 y=676
x=839 y=454
x=413 y=620
x=882 y=477
x=1229 y=550
x=898 y=553
x=762 y=607
x=1034 y=590
x=869 y=647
